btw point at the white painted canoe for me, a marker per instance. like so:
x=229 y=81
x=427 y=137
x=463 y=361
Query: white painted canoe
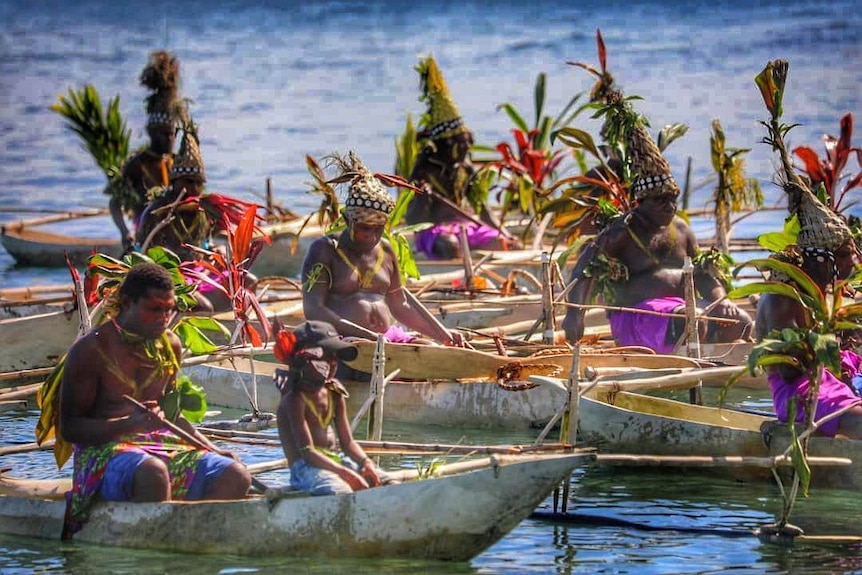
x=450 y=517
x=634 y=423
x=35 y=336
x=480 y=404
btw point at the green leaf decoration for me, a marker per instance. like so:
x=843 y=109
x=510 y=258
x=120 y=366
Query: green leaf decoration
x=194 y=339
x=188 y=399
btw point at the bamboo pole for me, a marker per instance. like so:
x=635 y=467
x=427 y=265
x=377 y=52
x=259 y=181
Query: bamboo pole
x=547 y=301
x=26 y=448
x=59 y=217
x=646 y=460
x=29 y=292
x=692 y=333
x=377 y=388
x=467 y=257
x=19 y=392
x=41 y=301
x=25 y=374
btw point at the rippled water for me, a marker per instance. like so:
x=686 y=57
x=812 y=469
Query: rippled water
x=279 y=80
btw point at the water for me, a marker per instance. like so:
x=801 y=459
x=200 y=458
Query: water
x=274 y=82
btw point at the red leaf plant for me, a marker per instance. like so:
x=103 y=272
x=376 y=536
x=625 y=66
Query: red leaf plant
x=830 y=170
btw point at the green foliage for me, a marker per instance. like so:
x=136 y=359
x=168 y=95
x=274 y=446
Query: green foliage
x=104 y=134
x=716 y=263
x=778 y=241
x=187 y=398
x=406 y=151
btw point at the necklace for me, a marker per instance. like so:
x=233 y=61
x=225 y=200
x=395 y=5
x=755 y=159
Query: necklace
x=323 y=420
x=159 y=351
x=364 y=279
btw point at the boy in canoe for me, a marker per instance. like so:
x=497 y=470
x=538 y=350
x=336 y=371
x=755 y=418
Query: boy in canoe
x=121 y=452
x=355 y=277
x=312 y=414
x=638 y=260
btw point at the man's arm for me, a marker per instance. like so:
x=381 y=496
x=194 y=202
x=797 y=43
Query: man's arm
x=410 y=311
x=316 y=279
x=580 y=293
x=345 y=438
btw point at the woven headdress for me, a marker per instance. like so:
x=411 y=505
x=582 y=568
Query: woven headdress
x=188 y=161
x=442 y=119
x=161 y=76
x=368 y=201
x=820 y=228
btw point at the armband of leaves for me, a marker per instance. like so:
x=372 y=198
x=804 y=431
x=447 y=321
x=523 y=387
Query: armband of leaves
x=716 y=264
x=314 y=276
x=607 y=213
x=606 y=272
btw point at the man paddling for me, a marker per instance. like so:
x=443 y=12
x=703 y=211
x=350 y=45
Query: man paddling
x=122 y=453
x=312 y=414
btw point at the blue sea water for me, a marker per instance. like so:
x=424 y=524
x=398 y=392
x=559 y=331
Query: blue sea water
x=271 y=81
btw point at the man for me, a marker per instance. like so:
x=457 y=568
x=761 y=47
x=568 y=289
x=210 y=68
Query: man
x=122 y=453
x=644 y=252
x=191 y=225
x=826 y=251
x=444 y=169
x=355 y=275
x=149 y=167
x=312 y=414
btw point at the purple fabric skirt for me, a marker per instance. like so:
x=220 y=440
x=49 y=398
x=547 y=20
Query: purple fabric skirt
x=630 y=328
x=834 y=393
x=477 y=236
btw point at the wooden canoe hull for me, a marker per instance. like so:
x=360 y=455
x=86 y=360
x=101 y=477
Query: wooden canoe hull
x=469 y=404
x=34 y=247
x=634 y=423
x=453 y=517
x=37 y=340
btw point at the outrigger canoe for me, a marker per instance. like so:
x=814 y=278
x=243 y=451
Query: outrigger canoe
x=635 y=423
x=35 y=336
x=454 y=515
x=474 y=401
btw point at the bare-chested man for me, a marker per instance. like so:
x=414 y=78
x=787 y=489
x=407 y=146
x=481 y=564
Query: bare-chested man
x=444 y=170
x=826 y=251
x=312 y=415
x=149 y=167
x=120 y=452
x=647 y=248
x=355 y=275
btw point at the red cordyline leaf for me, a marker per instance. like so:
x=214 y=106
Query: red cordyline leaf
x=603 y=53
x=91 y=283
x=394 y=181
x=813 y=167
x=285 y=343
x=240 y=239
x=523 y=140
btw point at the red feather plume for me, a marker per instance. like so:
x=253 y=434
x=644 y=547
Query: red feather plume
x=285 y=342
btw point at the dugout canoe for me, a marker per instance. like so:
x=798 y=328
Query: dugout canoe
x=39 y=248
x=636 y=423
x=455 y=515
x=478 y=404
x=35 y=336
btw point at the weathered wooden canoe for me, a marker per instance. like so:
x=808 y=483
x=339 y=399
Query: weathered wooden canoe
x=39 y=248
x=449 y=363
x=634 y=423
x=452 y=516
x=481 y=404
x=35 y=336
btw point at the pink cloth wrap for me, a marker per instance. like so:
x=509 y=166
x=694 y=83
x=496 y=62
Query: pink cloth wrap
x=630 y=328
x=477 y=236
x=395 y=334
x=834 y=393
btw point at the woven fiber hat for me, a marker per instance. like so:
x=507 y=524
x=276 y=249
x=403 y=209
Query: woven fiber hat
x=161 y=76
x=189 y=162
x=819 y=226
x=653 y=175
x=368 y=201
x=442 y=118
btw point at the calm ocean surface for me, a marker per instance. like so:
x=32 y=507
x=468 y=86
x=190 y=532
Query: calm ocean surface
x=274 y=82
